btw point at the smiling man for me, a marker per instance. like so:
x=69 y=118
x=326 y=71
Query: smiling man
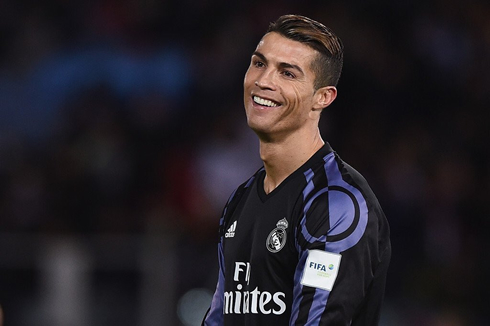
x=304 y=241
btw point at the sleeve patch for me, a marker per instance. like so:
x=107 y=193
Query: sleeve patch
x=321 y=269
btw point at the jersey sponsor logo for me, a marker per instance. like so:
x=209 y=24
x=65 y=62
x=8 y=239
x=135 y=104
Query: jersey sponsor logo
x=251 y=302
x=277 y=238
x=230 y=233
x=254 y=302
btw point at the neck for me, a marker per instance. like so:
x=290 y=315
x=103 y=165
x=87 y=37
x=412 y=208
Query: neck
x=282 y=158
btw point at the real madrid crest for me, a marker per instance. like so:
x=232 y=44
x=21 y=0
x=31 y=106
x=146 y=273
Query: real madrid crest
x=277 y=238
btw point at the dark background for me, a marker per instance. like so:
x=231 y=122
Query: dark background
x=122 y=133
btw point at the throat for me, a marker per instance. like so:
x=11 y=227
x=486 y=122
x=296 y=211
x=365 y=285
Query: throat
x=270 y=185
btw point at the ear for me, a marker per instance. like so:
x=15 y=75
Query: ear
x=323 y=97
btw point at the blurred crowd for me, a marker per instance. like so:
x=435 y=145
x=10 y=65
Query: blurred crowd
x=126 y=118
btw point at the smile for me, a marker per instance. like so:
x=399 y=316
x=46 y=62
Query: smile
x=264 y=102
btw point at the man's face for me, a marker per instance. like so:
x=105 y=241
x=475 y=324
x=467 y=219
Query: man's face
x=279 y=93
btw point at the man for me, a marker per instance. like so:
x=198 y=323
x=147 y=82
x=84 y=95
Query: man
x=304 y=241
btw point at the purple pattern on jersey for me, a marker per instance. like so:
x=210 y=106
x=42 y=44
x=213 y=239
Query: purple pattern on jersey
x=318 y=306
x=222 y=219
x=341 y=215
x=215 y=316
x=309 y=174
x=334 y=177
x=310 y=238
x=298 y=287
x=345 y=204
x=249 y=182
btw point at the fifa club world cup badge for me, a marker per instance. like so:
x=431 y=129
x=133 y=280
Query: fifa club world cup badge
x=277 y=238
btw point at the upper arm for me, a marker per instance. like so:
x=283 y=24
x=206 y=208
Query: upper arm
x=334 y=220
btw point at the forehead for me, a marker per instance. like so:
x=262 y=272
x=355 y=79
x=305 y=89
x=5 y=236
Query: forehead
x=276 y=47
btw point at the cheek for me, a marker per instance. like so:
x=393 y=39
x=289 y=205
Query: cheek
x=247 y=86
x=245 y=77
x=300 y=105
x=299 y=100
x=248 y=79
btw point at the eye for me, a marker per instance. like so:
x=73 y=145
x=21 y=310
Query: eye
x=258 y=63
x=288 y=74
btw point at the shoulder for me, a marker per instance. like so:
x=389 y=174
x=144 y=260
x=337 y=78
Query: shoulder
x=238 y=193
x=338 y=204
x=342 y=177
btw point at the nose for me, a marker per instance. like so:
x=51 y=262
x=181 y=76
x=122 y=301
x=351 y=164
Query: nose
x=266 y=80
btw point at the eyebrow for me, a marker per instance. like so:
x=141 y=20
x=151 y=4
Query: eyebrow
x=283 y=65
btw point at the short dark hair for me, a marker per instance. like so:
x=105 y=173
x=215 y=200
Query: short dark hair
x=328 y=65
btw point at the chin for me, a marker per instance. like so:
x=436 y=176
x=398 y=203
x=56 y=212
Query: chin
x=262 y=132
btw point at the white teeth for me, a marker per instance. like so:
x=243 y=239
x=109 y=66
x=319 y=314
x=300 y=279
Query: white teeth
x=264 y=102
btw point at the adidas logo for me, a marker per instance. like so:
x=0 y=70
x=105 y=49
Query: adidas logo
x=230 y=233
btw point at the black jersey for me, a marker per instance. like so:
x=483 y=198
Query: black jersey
x=314 y=251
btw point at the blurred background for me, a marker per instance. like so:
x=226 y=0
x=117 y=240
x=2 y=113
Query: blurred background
x=122 y=134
